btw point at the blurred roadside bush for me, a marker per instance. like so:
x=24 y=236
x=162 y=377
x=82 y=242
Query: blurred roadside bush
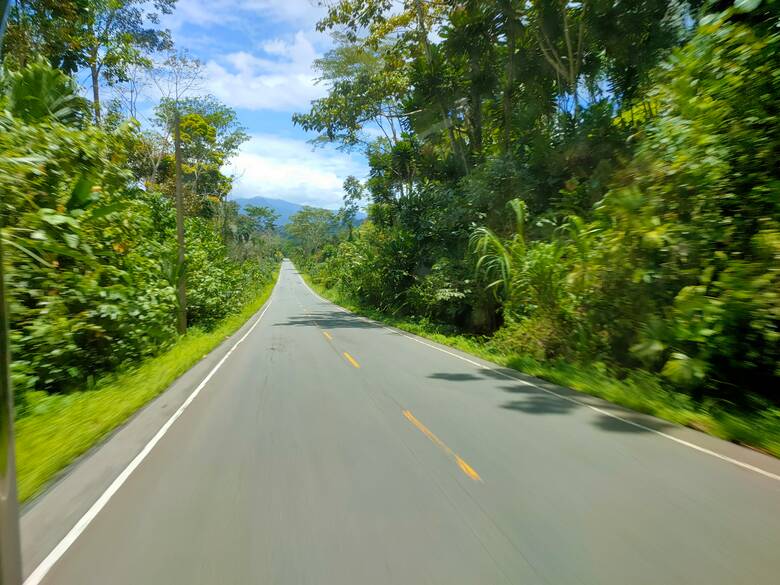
x=90 y=255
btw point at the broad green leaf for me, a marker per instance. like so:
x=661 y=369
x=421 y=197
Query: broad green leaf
x=746 y=5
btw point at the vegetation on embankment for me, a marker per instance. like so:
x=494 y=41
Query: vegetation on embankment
x=635 y=389
x=57 y=428
x=606 y=207
x=89 y=219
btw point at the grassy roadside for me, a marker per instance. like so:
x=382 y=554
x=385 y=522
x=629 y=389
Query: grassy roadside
x=59 y=428
x=640 y=391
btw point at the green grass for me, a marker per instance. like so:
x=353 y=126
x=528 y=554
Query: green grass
x=638 y=390
x=57 y=429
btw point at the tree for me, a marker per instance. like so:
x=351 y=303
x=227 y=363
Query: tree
x=206 y=135
x=118 y=35
x=210 y=136
x=634 y=142
x=354 y=192
x=179 y=75
x=263 y=218
x=470 y=44
x=132 y=89
x=52 y=29
x=367 y=86
x=403 y=40
x=312 y=228
x=92 y=258
x=176 y=77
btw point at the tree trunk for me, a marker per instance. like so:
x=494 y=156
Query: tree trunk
x=194 y=191
x=25 y=30
x=422 y=33
x=511 y=35
x=476 y=107
x=95 y=90
x=456 y=146
x=181 y=284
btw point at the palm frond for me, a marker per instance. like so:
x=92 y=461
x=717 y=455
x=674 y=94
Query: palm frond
x=494 y=259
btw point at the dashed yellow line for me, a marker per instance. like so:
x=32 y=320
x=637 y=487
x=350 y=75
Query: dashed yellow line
x=464 y=467
x=467 y=469
x=328 y=336
x=351 y=360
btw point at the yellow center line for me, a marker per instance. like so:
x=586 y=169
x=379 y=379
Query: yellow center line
x=467 y=469
x=464 y=467
x=351 y=360
x=328 y=335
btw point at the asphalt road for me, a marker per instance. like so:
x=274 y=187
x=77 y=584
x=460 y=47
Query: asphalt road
x=327 y=449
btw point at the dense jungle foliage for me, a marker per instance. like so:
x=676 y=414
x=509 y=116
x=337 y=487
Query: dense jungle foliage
x=593 y=181
x=88 y=206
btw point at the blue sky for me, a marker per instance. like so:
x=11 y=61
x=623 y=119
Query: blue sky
x=258 y=56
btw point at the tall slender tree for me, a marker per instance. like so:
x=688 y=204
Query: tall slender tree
x=120 y=34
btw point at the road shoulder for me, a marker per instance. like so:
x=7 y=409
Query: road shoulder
x=50 y=516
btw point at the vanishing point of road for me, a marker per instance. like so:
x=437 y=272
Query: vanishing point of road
x=326 y=449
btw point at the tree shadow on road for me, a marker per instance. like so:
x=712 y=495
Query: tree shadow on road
x=536 y=402
x=539 y=397
x=561 y=400
x=327 y=320
x=454 y=377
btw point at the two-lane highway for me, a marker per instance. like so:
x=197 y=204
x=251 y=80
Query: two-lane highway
x=327 y=449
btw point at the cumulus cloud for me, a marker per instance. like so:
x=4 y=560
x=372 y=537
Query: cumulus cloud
x=284 y=168
x=280 y=78
x=299 y=13
x=258 y=56
x=254 y=58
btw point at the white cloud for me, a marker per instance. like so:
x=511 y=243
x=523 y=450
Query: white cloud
x=253 y=57
x=299 y=13
x=196 y=12
x=284 y=168
x=281 y=79
x=255 y=60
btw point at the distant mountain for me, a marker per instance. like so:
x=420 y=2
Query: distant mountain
x=284 y=208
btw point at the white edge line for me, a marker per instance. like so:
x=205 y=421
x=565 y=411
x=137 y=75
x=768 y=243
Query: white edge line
x=51 y=559
x=677 y=440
